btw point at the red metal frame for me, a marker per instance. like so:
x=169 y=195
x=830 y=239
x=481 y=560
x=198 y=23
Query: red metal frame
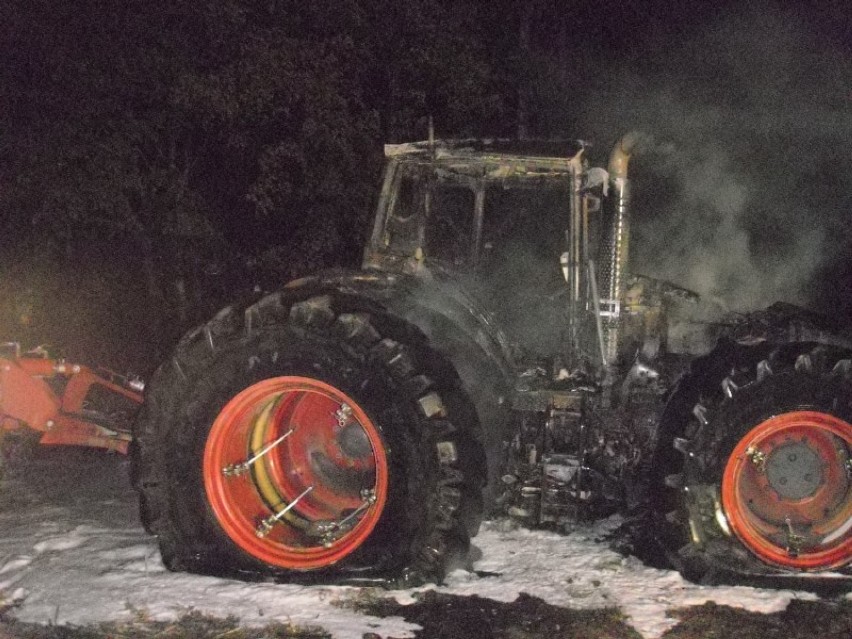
x=759 y=516
x=27 y=399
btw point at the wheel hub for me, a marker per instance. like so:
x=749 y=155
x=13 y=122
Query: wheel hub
x=794 y=471
x=354 y=442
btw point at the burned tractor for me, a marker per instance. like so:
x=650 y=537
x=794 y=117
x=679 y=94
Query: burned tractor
x=495 y=355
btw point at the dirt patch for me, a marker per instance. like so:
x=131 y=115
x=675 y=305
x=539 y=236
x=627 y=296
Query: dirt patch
x=444 y=616
x=800 y=620
x=190 y=626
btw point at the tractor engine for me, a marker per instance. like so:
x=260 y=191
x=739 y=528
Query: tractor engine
x=581 y=449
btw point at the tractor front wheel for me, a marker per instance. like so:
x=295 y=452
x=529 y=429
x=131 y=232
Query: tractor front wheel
x=767 y=478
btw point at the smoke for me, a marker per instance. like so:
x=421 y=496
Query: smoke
x=712 y=223
x=743 y=188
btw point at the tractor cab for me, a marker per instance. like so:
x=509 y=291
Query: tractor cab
x=463 y=203
x=517 y=222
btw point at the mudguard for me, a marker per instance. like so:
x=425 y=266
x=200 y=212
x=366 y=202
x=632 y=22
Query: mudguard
x=451 y=321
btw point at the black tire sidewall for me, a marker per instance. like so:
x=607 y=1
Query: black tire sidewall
x=783 y=393
x=289 y=351
x=750 y=406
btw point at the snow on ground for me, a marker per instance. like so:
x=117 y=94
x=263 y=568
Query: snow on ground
x=72 y=551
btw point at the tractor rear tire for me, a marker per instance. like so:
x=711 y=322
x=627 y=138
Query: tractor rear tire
x=766 y=487
x=300 y=442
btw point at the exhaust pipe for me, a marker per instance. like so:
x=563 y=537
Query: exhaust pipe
x=615 y=244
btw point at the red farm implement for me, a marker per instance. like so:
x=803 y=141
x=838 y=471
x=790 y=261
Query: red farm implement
x=67 y=403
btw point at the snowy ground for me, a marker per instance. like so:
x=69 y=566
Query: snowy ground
x=71 y=551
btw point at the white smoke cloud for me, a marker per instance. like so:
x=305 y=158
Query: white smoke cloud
x=744 y=189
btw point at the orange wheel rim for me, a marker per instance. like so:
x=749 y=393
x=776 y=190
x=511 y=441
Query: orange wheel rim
x=295 y=472
x=787 y=491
